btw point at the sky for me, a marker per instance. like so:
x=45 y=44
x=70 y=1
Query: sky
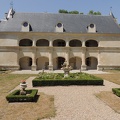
x=53 y=6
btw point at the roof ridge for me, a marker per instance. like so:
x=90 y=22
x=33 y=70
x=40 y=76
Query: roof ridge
x=59 y=14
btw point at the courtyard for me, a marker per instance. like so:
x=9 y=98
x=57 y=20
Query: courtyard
x=70 y=102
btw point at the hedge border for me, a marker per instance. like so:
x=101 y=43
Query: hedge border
x=116 y=91
x=15 y=97
x=37 y=82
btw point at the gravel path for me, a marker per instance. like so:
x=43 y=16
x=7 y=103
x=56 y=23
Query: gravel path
x=79 y=102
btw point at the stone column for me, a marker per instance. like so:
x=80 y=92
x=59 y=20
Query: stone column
x=98 y=66
x=83 y=43
x=67 y=43
x=34 y=42
x=51 y=60
x=50 y=43
x=83 y=66
x=67 y=56
x=34 y=60
x=18 y=58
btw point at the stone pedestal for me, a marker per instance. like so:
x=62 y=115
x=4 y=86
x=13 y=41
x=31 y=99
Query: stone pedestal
x=100 y=68
x=66 y=72
x=22 y=90
x=34 y=68
x=83 y=67
x=51 y=67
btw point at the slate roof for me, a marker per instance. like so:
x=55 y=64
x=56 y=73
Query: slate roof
x=46 y=22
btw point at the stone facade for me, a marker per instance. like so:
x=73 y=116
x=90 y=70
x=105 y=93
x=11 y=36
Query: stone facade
x=50 y=50
x=25 y=50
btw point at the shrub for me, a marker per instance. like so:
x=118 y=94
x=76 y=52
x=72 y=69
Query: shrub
x=16 y=97
x=116 y=91
x=48 y=79
x=65 y=82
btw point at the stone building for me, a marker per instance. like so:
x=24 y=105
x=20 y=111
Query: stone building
x=35 y=41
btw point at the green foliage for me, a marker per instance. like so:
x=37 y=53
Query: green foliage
x=91 y=12
x=60 y=76
x=116 y=91
x=63 y=11
x=52 y=79
x=16 y=97
x=73 y=12
x=65 y=82
x=68 y=12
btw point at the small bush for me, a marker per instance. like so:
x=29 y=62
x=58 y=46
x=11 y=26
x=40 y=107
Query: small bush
x=116 y=91
x=16 y=97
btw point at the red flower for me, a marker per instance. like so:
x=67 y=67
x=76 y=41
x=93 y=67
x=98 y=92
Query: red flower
x=23 y=81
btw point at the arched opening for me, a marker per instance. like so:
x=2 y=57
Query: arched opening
x=75 y=43
x=59 y=43
x=58 y=62
x=25 y=63
x=91 y=43
x=25 y=42
x=42 y=63
x=91 y=63
x=75 y=62
x=42 y=42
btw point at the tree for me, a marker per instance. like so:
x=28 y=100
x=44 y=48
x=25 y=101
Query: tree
x=63 y=11
x=81 y=13
x=68 y=12
x=91 y=12
x=73 y=12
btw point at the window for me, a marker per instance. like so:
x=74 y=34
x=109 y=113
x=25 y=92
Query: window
x=92 y=25
x=25 y=24
x=59 y=25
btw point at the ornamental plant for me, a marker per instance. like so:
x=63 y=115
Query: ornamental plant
x=23 y=81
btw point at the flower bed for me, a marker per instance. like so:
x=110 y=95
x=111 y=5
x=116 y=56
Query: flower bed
x=55 y=79
x=16 y=97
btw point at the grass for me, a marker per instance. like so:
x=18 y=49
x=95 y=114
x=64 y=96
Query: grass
x=43 y=108
x=10 y=81
x=112 y=76
x=108 y=97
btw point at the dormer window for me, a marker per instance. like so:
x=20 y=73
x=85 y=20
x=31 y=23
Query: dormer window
x=25 y=27
x=59 y=27
x=91 y=28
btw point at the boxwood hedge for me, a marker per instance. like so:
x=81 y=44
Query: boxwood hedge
x=53 y=79
x=16 y=97
x=116 y=91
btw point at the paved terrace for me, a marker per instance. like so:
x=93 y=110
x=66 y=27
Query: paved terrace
x=78 y=102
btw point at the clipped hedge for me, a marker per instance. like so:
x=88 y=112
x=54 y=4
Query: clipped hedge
x=56 y=79
x=116 y=91
x=16 y=97
x=37 y=82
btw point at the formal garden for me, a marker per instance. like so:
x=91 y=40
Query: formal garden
x=43 y=105
x=55 y=79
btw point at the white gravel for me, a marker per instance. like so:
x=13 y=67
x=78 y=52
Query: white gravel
x=79 y=102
